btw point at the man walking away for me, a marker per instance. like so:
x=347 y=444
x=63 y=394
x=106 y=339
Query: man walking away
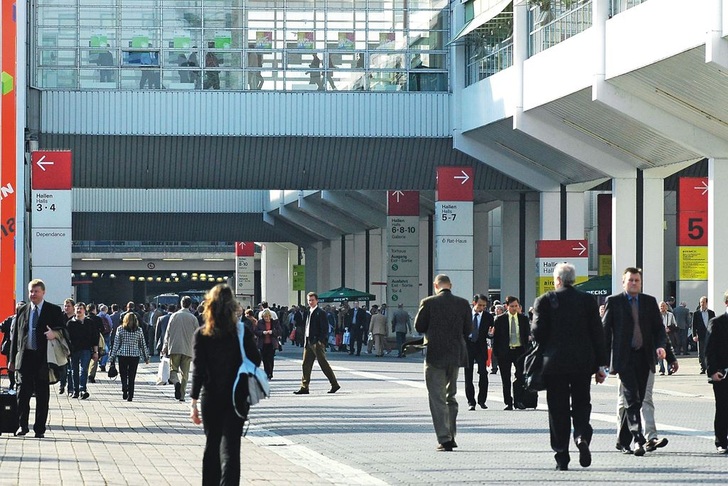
x=178 y=346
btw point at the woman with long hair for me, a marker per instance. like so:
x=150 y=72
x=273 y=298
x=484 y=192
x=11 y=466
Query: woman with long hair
x=129 y=345
x=216 y=359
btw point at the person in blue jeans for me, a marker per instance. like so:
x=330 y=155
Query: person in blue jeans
x=84 y=338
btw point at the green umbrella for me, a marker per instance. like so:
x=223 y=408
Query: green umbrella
x=345 y=294
x=598 y=286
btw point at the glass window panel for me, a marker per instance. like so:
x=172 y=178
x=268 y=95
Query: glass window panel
x=98 y=79
x=57 y=78
x=99 y=57
x=57 y=38
x=57 y=57
x=139 y=38
x=222 y=39
x=178 y=79
x=97 y=18
x=181 y=18
x=57 y=16
x=139 y=17
x=386 y=61
x=427 y=40
x=428 y=61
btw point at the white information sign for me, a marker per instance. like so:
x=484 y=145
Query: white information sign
x=46 y=245
x=245 y=275
x=403 y=231
x=51 y=209
x=454 y=218
x=545 y=266
x=403 y=290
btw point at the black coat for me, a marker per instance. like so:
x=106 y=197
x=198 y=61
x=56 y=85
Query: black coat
x=570 y=336
x=502 y=333
x=619 y=327
x=318 y=330
x=716 y=346
x=700 y=327
x=51 y=316
x=446 y=321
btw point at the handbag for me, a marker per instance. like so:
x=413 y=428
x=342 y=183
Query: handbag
x=113 y=372
x=102 y=346
x=163 y=371
x=533 y=369
x=251 y=383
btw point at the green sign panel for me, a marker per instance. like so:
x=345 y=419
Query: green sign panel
x=299 y=277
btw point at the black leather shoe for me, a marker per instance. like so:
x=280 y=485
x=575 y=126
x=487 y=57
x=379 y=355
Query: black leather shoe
x=334 y=388
x=302 y=391
x=520 y=406
x=178 y=390
x=653 y=444
x=508 y=407
x=471 y=407
x=39 y=435
x=446 y=447
x=585 y=458
x=560 y=466
x=483 y=406
x=453 y=444
x=639 y=451
x=21 y=431
x=84 y=395
x=624 y=449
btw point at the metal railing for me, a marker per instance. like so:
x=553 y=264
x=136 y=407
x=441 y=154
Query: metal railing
x=619 y=6
x=488 y=60
x=550 y=26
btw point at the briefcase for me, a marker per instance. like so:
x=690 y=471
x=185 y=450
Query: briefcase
x=8 y=407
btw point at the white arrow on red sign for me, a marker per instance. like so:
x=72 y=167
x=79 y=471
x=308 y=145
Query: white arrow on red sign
x=398 y=194
x=42 y=164
x=703 y=187
x=464 y=177
x=581 y=248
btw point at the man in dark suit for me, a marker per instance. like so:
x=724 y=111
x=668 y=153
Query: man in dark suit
x=445 y=320
x=36 y=324
x=701 y=316
x=316 y=333
x=716 y=361
x=510 y=334
x=357 y=322
x=567 y=327
x=478 y=352
x=636 y=339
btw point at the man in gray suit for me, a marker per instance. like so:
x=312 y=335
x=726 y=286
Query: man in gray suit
x=444 y=319
x=178 y=346
x=682 y=318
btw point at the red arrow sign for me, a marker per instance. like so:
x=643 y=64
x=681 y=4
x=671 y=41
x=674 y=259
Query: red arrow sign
x=244 y=248
x=403 y=203
x=51 y=169
x=562 y=249
x=454 y=184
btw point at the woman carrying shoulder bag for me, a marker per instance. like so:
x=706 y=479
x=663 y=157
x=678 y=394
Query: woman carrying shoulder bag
x=129 y=345
x=216 y=359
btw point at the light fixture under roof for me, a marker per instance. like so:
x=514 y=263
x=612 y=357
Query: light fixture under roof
x=213 y=259
x=132 y=278
x=90 y=259
x=132 y=259
x=172 y=259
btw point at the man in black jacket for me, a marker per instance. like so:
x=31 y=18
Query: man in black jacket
x=36 y=323
x=567 y=328
x=716 y=361
x=316 y=333
x=701 y=316
x=636 y=339
x=510 y=333
x=478 y=352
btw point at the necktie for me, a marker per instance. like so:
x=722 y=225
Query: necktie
x=637 y=332
x=514 y=332
x=34 y=327
x=474 y=334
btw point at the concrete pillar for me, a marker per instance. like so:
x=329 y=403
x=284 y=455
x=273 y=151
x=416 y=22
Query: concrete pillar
x=550 y=209
x=717 y=233
x=509 y=248
x=624 y=232
x=311 y=260
x=356 y=272
x=481 y=253
x=653 y=230
x=276 y=279
x=575 y=222
x=529 y=263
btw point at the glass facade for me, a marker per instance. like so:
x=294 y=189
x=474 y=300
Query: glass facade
x=368 y=45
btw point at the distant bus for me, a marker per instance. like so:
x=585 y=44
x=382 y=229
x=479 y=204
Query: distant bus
x=166 y=299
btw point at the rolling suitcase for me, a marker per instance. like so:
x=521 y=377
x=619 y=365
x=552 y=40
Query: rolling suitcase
x=8 y=407
x=523 y=397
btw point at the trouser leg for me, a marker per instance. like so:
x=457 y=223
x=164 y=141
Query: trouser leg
x=581 y=406
x=320 y=350
x=648 y=410
x=720 y=421
x=436 y=381
x=557 y=397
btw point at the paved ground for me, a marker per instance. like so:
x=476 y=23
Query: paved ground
x=375 y=430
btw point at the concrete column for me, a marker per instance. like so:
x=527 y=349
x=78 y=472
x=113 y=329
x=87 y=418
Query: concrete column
x=509 y=248
x=356 y=272
x=624 y=224
x=311 y=260
x=717 y=233
x=276 y=267
x=575 y=228
x=334 y=264
x=653 y=227
x=529 y=263
x=550 y=210
x=481 y=253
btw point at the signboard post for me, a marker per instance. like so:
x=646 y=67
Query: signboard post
x=454 y=227
x=51 y=221
x=245 y=269
x=550 y=253
x=403 y=247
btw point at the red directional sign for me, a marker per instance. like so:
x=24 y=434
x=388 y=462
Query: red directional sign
x=692 y=194
x=403 y=203
x=51 y=169
x=562 y=249
x=692 y=211
x=454 y=184
x=244 y=248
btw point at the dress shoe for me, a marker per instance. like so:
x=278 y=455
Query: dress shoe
x=702 y=372
x=561 y=466
x=178 y=390
x=624 y=449
x=471 y=407
x=520 y=406
x=653 y=444
x=639 y=451
x=61 y=390
x=508 y=407
x=483 y=406
x=302 y=391
x=91 y=379
x=124 y=394
x=39 y=435
x=129 y=399
x=454 y=444
x=21 y=431
x=445 y=447
x=334 y=388
x=585 y=458
x=84 y=395
x=75 y=395
x=493 y=372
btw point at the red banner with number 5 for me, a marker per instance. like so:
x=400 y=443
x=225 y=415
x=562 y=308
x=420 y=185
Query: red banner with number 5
x=692 y=212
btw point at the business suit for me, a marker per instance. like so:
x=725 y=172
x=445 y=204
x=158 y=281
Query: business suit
x=567 y=327
x=716 y=360
x=508 y=355
x=445 y=320
x=478 y=354
x=32 y=364
x=314 y=348
x=700 y=327
x=633 y=365
x=357 y=320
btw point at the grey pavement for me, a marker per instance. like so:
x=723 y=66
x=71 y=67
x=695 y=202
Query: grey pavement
x=375 y=430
